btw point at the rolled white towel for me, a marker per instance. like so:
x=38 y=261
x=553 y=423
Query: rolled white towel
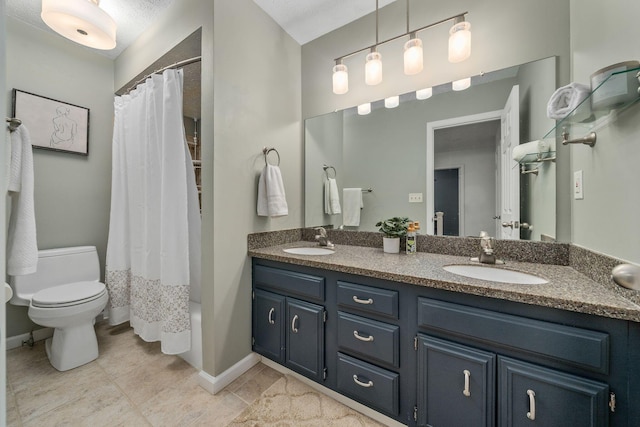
x=534 y=147
x=566 y=99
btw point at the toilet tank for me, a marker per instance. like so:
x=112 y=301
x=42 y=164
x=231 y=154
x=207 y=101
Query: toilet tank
x=56 y=267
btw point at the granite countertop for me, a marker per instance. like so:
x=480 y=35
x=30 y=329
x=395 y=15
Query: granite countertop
x=566 y=289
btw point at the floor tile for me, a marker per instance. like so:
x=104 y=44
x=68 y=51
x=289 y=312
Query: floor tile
x=257 y=384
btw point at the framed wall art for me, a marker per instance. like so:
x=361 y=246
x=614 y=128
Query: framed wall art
x=52 y=124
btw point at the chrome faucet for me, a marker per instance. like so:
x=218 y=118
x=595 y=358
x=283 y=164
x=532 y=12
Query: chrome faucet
x=487 y=251
x=322 y=239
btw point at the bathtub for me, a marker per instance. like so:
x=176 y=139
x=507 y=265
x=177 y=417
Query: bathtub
x=194 y=356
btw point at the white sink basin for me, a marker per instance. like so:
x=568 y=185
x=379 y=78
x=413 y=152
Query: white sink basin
x=309 y=251
x=495 y=274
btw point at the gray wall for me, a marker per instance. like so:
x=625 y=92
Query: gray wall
x=250 y=99
x=72 y=193
x=606 y=220
x=3 y=184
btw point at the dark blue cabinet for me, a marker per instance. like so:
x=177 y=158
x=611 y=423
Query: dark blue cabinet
x=455 y=384
x=305 y=338
x=268 y=325
x=531 y=395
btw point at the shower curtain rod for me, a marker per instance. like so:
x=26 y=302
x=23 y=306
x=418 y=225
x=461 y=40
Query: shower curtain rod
x=168 y=67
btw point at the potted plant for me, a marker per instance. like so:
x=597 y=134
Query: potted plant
x=393 y=229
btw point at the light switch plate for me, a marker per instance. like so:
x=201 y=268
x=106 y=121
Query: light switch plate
x=415 y=197
x=578 y=188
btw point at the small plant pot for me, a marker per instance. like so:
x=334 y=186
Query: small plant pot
x=391 y=245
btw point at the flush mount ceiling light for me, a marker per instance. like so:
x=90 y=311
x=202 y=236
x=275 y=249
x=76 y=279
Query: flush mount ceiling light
x=459 y=50
x=424 y=93
x=392 y=101
x=461 y=84
x=364 y=109
x=81 y=21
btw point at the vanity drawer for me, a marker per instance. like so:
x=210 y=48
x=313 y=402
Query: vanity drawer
x=374 y=340
x=368 y=299
x=291 y=282
x=369 y=384
x=580 y=347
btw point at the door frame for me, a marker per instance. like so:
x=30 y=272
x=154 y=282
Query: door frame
x=443 y=124
x=461 y=198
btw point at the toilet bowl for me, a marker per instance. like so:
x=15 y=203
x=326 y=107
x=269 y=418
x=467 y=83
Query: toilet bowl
x=65 y=294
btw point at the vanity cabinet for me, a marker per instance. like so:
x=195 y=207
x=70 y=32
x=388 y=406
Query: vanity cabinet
x=286 y=329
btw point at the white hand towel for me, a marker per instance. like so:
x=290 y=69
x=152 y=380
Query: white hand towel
x=22 y=246
x=352 y=202
x=566 y=99
x=271 y=198
x=331 y=197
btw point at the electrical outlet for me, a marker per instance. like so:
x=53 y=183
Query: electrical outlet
x=578 y=189
x=415 y=197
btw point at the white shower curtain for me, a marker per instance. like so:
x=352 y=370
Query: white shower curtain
x=153 y=252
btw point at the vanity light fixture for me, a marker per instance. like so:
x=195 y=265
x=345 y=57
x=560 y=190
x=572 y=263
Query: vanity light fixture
x=459 y=50
x=461 y=84
x=364 y=109
x=82 y=21
x=392 y=101
x=424 y=93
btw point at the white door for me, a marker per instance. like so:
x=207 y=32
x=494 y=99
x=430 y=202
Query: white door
x=509 y=170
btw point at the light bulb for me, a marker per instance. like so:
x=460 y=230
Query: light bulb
x=364 y=109
x=373 y=69
x=413 y=62
x=461 y=84
x=340 y=79
x=460 y=41
x=392 y=101
x=424 y=93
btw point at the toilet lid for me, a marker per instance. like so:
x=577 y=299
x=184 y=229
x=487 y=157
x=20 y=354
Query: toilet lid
x=68 y=294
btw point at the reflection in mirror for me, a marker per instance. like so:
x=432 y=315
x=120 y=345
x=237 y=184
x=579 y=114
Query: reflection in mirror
x=471 y=136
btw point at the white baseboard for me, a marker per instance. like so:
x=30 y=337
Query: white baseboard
x=215 y=384
x=377 y=416
x=38 y=335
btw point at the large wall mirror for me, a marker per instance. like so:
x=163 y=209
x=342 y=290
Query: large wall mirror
x=442 y=154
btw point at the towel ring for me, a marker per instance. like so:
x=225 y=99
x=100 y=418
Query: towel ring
x=266 y=152
x=13 y=123
x=326 y=171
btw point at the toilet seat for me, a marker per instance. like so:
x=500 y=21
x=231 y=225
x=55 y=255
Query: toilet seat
x=69 y=294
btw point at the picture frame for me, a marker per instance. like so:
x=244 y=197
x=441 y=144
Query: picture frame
x=53 y=125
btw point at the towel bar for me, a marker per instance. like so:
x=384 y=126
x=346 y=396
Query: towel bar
x=266 y=152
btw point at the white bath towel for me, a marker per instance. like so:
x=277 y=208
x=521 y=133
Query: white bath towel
x=271 y=198
x=352 y=202
x=566 y=99
x=22 y=246
x=331 y=197
x=534 y=147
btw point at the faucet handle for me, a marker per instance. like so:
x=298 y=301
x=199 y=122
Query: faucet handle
x=322 y=231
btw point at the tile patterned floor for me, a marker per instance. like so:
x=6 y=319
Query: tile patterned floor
x=133 y=384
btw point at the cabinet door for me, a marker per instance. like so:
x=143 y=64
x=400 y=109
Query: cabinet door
x=268 y=325
x=455 y=384
x=530 y=395
x=305 y=338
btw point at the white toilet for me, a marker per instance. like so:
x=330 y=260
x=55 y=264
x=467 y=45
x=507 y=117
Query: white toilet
x=65 y=294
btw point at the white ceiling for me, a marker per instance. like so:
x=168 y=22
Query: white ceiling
x=304 y=20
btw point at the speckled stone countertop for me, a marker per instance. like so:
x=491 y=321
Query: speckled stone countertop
x=566 y=289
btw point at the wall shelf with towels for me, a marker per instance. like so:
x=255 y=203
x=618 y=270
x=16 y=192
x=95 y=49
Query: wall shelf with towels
x=535 y=159
x=584 y=119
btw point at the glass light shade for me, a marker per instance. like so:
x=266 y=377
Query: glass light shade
x=392 y=101
x=461 y=84
x=340 y=79
x=364 y=109
x=460 y=42
x=424 y=93
x=373 y=69
x=81 y=21
x=413 y=62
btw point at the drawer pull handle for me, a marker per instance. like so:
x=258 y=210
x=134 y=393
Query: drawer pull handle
x=361 y=384
x=293 y=324
x=467 y=375
x=532 y=405
x=271 y=321
x=361 y=338
x=363 y=301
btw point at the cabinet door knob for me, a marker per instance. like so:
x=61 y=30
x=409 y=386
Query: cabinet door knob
x=532 y=405
x=361 y=338
x=293 y=324
x=360 y=383
x=271 y=321
x=362 y=301
x=467 y=375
